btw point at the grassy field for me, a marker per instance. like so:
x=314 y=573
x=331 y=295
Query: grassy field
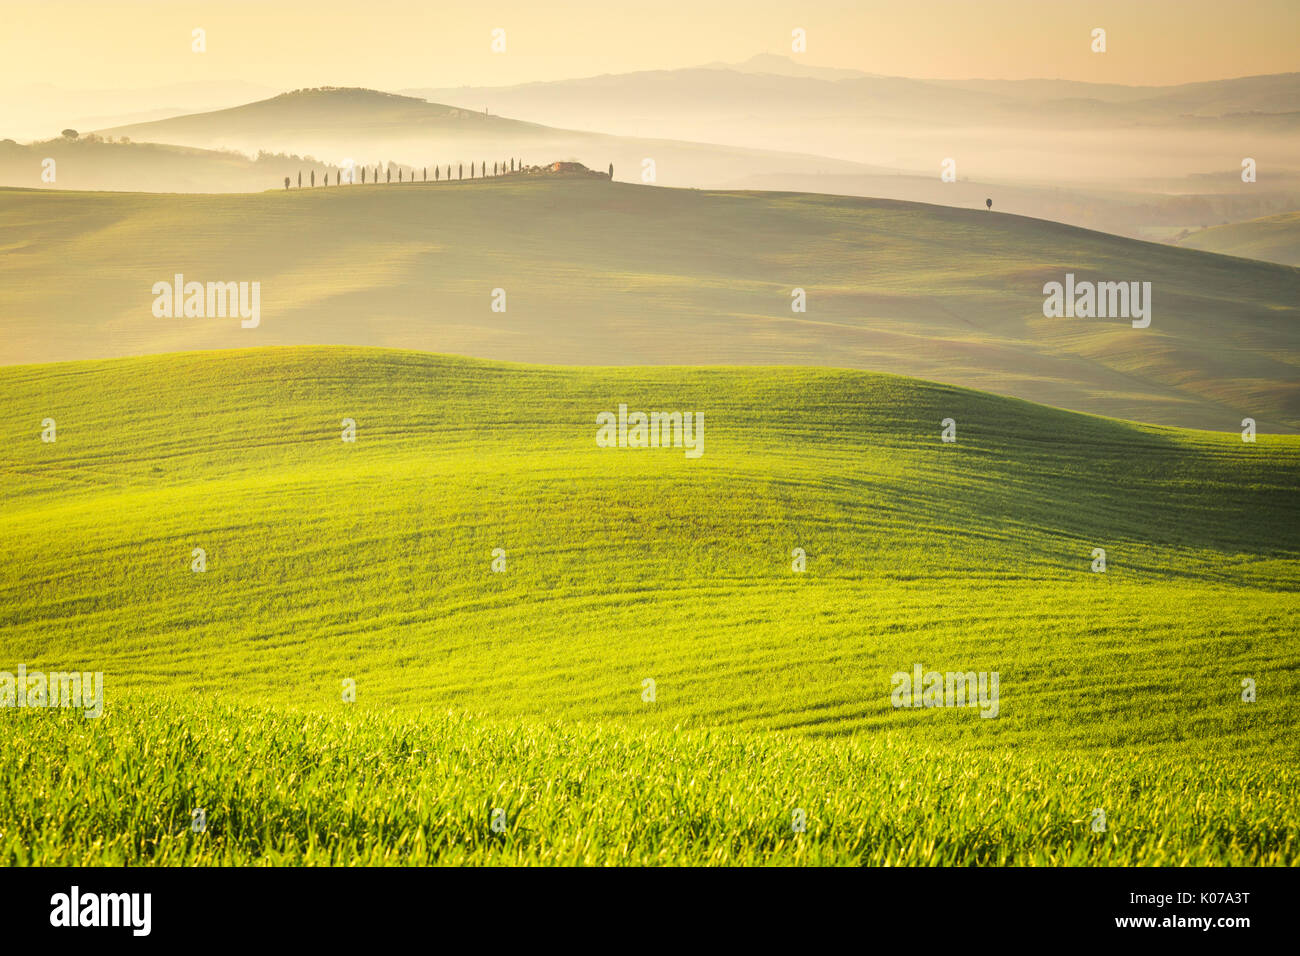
x=1272 y=238
x=600 y=273
x=396 y=789
x=523 y=690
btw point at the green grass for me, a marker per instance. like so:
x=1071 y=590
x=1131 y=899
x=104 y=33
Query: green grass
x=368 y=788
x=371 y=561
x=600 y=273
x=1271 y=238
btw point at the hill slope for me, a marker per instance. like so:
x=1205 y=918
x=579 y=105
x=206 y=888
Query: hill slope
x=374 y=557
x=1272 y=238
x=371 y=561
x=617 y=274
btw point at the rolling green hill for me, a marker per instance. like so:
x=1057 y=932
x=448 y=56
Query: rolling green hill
x=619 y=274
x=1271 y=238
x=372 y=561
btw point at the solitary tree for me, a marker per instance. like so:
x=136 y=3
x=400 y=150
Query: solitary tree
x=611 y=171
x=989 y=203
x=363 y=175
x=424 y=174
x=313 y=177
x=286 y=182
x=460 y=171
x=70 y=133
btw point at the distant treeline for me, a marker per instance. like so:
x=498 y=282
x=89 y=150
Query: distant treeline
x=383 y=172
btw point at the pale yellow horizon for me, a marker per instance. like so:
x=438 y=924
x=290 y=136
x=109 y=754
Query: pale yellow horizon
x=83 y=45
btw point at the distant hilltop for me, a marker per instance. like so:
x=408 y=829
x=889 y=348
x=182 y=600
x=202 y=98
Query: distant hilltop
x=573 y=169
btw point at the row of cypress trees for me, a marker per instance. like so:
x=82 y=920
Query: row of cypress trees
x=498 y=169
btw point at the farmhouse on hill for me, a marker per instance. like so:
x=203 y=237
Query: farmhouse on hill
x=564 y=168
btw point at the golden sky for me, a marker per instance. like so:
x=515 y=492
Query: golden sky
x=100 y=45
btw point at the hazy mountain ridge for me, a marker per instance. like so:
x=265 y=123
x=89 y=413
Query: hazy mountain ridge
x=366 y=125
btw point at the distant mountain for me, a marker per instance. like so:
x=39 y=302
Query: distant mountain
x=317 y=115
x=1031 y=130
x=719 y=87
x=369 y=127
x=786 y=66
x=1271 y=93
